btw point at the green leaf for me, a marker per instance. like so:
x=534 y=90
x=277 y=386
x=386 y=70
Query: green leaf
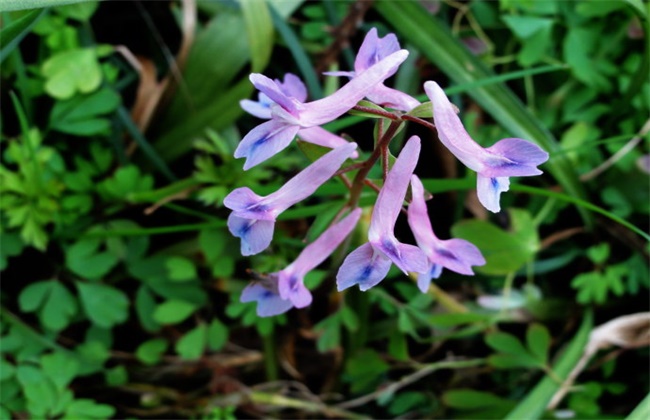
x=117 y=376
x=104 y=305
x=538 y=341
x=173 y=311
x=505 y=343
x=180 y=269
x=79 y=115
x=598 y=254
x=72 y=71
x=435 y=41
x=364 y=370
x=7 y=370
x=526 y=26
x=10 y=246
x=84 y=259
x=504 y=252
x=349 y=318
x=468 y=399
x=80 y=11
x=259 y=29
x=88 y=409
x=329 y=333
x=40 y=393
x=145 y=304
x=192 y=345
x=125 y=180
x=535 y=401
x=57 y=305
x=398 y=347
x=512 y=361
x=217 y=335
x=60 y=368
x=151 y=351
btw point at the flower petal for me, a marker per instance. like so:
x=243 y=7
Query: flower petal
x=451 y=131
x=514 y=157
x=309 y=179
x=274 y=91
x=363 y=266
x=406 y=257
x=316 y=252
x=373 y=49
x=457 y=255
x=391 y=196
x=320 y=136
x=260 y=109
x=418 y=217
x=292 y=288
x=392 y=98
x=246 y=204
x=333 y=106
x=489 y=191
x=264 y=141
x=424 y=279
x=255 y=235
x=268 y=302
x=293 y=87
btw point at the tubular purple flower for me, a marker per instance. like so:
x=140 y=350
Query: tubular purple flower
x=269 y=302
x=293 y=87
x=285 y=289
x=369 y=264
x=289 y=114
x=253 y=216
x=493 y=165
x=372 y=50
x=290 y=280
x=454 y=254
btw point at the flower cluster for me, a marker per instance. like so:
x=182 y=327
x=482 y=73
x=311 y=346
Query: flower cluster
x=284 y=105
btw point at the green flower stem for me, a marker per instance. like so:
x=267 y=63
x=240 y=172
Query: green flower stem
x=270 y=358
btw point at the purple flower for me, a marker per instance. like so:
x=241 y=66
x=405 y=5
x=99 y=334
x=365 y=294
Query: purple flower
x=293 y=87
x=289 y=114
x=372 y=50
x=493 y=165
x=253 y=217
x=369 y=264
x=269 y=302
x=454 y=254
x=286 y=289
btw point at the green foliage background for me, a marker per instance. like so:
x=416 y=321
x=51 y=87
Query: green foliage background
x=121 y=283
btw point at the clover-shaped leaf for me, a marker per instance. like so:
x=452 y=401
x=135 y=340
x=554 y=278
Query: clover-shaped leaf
x=72 y=71
x=55 y=304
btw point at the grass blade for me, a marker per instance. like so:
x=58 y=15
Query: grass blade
x=13 y=33
x=299 y=54
x=259 y=28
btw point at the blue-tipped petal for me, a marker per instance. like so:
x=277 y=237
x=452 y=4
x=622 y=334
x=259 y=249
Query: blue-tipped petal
x=364 y=267
x=424 y=279
x=513 y=157
x=489 y=191
x=405 y=257
x=269 y=303
x=255 y=235
x=264 y=141
x=248 y=205
x=292 y=288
